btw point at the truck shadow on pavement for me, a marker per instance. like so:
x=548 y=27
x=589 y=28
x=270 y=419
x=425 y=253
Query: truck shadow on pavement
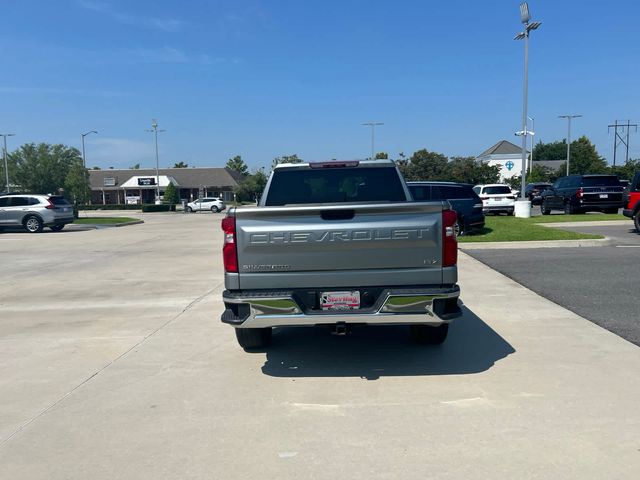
x=384 y=351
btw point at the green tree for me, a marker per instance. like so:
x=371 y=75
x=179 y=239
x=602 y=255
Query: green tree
x=43 y=168
x=626 y=171
x=285 y=159
x=180 y=165
x=425 y=165
x=550 y=151
x=76 y=184
x=135 y=167
x=252 y=186
x=540 y=173
x=236 y=163
x=382 y=156
x=11 y=164
x=470 y=170
x=585 y=158
x=171 y=194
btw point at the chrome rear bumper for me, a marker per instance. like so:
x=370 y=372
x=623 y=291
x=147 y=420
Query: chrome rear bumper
x=395 y=306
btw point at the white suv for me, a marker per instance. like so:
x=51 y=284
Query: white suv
x=496 y=198
x=212 y=204
x=34 y=212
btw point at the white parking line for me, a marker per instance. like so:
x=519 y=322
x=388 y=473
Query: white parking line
x=628 y=246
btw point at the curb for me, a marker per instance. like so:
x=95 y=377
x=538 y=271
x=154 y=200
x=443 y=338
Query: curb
x=536 y=244
x=97 y=226
x=599 y=223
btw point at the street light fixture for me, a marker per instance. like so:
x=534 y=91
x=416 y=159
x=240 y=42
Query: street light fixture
x=569 y=117
x=373 y=126
x=6 y=165
x=154 y=130
x=525 y=18
x=84 y=160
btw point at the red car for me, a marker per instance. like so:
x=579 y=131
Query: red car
x=633 y=204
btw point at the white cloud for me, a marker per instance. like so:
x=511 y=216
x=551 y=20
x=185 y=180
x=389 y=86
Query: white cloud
x=106 y=8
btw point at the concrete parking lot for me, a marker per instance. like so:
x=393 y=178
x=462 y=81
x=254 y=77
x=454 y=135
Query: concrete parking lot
x=593 y=282
x=114 y=365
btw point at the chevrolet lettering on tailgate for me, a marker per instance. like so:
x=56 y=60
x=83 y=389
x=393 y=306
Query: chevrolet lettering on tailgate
x=339 y=236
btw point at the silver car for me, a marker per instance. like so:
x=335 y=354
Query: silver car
x=34 y=212
x=212 y=204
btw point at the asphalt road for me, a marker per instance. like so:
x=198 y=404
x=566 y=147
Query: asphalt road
x=114 y=365
x=597 y=283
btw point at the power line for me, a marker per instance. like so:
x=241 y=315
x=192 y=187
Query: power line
x=619 y=138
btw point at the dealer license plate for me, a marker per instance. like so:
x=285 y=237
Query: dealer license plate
x=340 y=300
x=497 y=199
x=604 y=195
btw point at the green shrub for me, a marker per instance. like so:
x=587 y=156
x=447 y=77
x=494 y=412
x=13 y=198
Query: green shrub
x=159 y=208
x=110 y=207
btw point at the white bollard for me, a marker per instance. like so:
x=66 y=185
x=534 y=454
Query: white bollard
x=523 y=209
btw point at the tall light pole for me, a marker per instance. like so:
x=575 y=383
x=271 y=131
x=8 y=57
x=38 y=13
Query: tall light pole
x=525 y=18
x=569 y=117
x=154 y=130
x=6 y=164
x=373 y=126
x=532 y=132
x=84 y=159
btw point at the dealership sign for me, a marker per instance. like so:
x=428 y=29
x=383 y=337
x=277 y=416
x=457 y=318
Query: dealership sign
x=146 y=181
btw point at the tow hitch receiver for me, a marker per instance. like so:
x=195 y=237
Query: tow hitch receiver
x=340 y=329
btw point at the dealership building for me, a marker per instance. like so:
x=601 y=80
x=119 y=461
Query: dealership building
x=115 y=186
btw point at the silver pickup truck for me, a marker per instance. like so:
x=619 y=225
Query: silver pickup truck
x=339 y=244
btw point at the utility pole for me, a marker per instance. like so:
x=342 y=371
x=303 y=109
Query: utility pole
x=6 y=164
x=569 y=117
x=373 y=136
x=619 y=139
x=154 y=130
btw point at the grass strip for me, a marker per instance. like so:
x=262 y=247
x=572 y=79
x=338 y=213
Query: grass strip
x=103 y=220
x=512 y=229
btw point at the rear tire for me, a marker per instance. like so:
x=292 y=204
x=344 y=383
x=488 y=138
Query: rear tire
x=543 y=207
x=568 y=209
x=636 y=221
x=56 y=228
x=428 y=335
x=250 y=338
x=215 y=209
x=33 y=224
x=459 y=227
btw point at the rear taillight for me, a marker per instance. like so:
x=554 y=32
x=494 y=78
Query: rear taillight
x=511 y=197
x=229 y=250
x=449 y=241
x=51 y=206
x=484 y=198
x=580 y=193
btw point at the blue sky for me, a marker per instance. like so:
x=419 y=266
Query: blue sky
x=269 y=78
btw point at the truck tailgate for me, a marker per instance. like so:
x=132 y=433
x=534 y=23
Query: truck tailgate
x=339 y=245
